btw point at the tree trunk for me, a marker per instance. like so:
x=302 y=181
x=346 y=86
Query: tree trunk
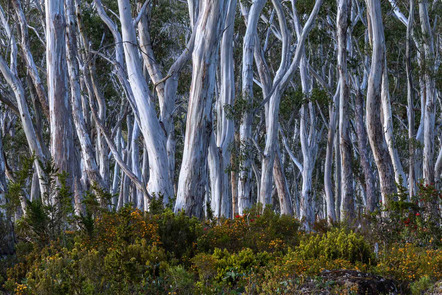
x=347 y=205
x=328 y=187
x=193 y=174
x=60 y=113
x=245 y=129
x=285 y=202
x=87 y=151
x=430 y=103
x=153 y=134
x=374 y=125
x=364 y=153
x=410 y=106
x=222 y=192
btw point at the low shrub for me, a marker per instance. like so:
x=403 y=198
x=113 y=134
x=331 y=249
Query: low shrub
x=131 y=252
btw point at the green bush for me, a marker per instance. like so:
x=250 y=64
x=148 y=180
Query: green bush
x=178 y=233
x=337 y=244
x=131 y=252
x=260 y=232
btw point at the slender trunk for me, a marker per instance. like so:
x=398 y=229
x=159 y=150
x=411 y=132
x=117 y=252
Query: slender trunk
x=374 y=125
x=29 y=59
x=364 y=153
x=221 y=191
x=87 y=152
x=285 y=201
x=438 y=168
x=328 y=187
x=213 y=161
x=410 y=105
x=153 y=133
x=347 y=205
x=245 y=129
x=308 y=147
x=135 y=163
x=430 y=104
x=272 y=113
x=337 y=177
x=387 y=122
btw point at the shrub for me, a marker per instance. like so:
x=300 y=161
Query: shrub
x=409 y=262
x=260 y=232
x=178 y=233
x=336 y=244
x=408 y=221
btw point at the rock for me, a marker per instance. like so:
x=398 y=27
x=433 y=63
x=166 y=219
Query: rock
x=436 y=289
x=352 y=282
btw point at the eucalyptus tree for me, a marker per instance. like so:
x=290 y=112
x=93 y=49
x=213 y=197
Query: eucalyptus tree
x=430 y=92
x=343 y=19
x=10 y=74
x=283 y=76
x=193 y=174
x=154 y=137
x=374 y=125
x=87 y=151
x=222 y=140
x=60 y=115
x=245 y=128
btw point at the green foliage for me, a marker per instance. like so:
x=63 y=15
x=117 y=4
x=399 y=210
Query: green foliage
x=335 y=244
x=16 y=188
x=47 y=218
x=420 y=286
x=131 y=252
x=178 y=233
x=260 y=232
x=416 y=220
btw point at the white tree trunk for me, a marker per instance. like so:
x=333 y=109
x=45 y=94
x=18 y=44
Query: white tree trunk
x=135 y=163
x=430 y=91
x=193 y=174
x=387 y=122
x=347 y=205
x=222 y=193
x=374 y=125
x=153 y=134
x=245 y=129
x=87 y=152
x=410 y=106
x=328 y=186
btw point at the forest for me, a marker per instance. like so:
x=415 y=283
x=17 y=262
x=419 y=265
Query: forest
x=220 y=146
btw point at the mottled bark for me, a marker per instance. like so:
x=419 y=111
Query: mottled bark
x=193 y=174
x=221 y=191
x=364 y=153
x=430 y=91
x=328 y=181
x=153 y=134
x=60 y=113
x=347 y=205
x=285 y=202
x=373 y=107
x=245 y=129
x=410 y=106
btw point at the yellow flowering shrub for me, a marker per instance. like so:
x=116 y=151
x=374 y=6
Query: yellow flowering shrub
x=409 y=262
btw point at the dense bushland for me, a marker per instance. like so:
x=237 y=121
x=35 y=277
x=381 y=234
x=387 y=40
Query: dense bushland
x=260 y=252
